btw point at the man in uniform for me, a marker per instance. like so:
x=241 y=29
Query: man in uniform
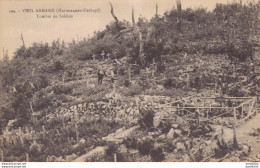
x=100 y=75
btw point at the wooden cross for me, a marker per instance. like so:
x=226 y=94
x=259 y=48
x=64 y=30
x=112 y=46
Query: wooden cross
x=153 y=67
x=103 y=54
x=94 y=57
x=108 y=55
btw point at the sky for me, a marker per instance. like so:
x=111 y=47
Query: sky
x=83 y=24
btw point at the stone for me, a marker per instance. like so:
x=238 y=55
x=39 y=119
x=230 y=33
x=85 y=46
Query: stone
x=162 y=137
x=235 y=159
x=59 y=159
x=70 y=157
x=180 y=146
x=258 y=155
x=170 y=134
x=177 y=133
x=82 y=141
x=160 y=87
x=175 y=125
x=186 y=158
x=245 y=150
x=208 y=142
x=156 y=121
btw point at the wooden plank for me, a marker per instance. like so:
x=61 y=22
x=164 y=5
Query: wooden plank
x=244 y=103
x=216 y=116
x=234 y=129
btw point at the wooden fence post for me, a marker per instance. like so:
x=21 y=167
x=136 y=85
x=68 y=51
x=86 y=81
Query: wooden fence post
x=27 y=157
x=234 y=129
x=44 y=131
x=129 y=74
x=115 y=158
x=20 y=136
x=77 y=132
x=242 y=113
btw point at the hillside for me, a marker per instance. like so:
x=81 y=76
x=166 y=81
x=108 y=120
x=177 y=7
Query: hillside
x=163 y=78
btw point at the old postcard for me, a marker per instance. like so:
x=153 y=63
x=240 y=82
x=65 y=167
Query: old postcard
x=129 y=81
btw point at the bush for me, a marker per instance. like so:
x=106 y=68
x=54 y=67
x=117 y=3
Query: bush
x=157 y=155
x=165 y=126
x=130 y=143
x=145 y=147
x=127 y=83
x=147 y=119
x=61 y=89
x=169 y=83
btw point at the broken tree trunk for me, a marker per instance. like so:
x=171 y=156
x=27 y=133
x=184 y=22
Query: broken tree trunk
x=156 y=10
x=123 y=29
x=22 y=40
x=133 y=17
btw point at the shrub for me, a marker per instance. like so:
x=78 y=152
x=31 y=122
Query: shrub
x=165 y=126
x=127 y=83
x=145 y=147
x=169 y=83
x=61 y=89
x=130 y=143
x=157 y=155
x=147 y=119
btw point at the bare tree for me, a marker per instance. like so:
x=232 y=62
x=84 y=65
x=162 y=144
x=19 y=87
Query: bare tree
x=134 y=29
x=22 y=40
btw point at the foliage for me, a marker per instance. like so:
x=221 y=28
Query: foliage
x=157 y=154
x=146 y=121
x=145 y=147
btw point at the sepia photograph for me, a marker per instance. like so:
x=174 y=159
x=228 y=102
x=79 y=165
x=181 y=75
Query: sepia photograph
x=129 y=81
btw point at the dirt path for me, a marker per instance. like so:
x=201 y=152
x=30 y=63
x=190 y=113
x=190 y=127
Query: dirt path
x=243 y=136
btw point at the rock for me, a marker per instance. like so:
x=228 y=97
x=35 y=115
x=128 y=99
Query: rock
x=156 y=121
x=82 y=141
x=258 y=155
x=162 y=137
x=177 y=133
x=98 y=152
x=180 y=146
x=245 y=150
x=208 y=142
x=214 y=146
x=186 y=158
x=170 y=134
x=160 y=87
x=175 y=125
x=235 y=159
x=59 y=159
x=70 y=157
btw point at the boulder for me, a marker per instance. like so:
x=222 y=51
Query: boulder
x=208 y=142
x=160 y=87
x=235 y=159
x=59 y=159
x=170 y=134
x=174 y=125
x=186 y=158
x=156 y=121
x=162 y=137
x=180 y=146
x=177 y=133
x=71 y=157
x=245 y=149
